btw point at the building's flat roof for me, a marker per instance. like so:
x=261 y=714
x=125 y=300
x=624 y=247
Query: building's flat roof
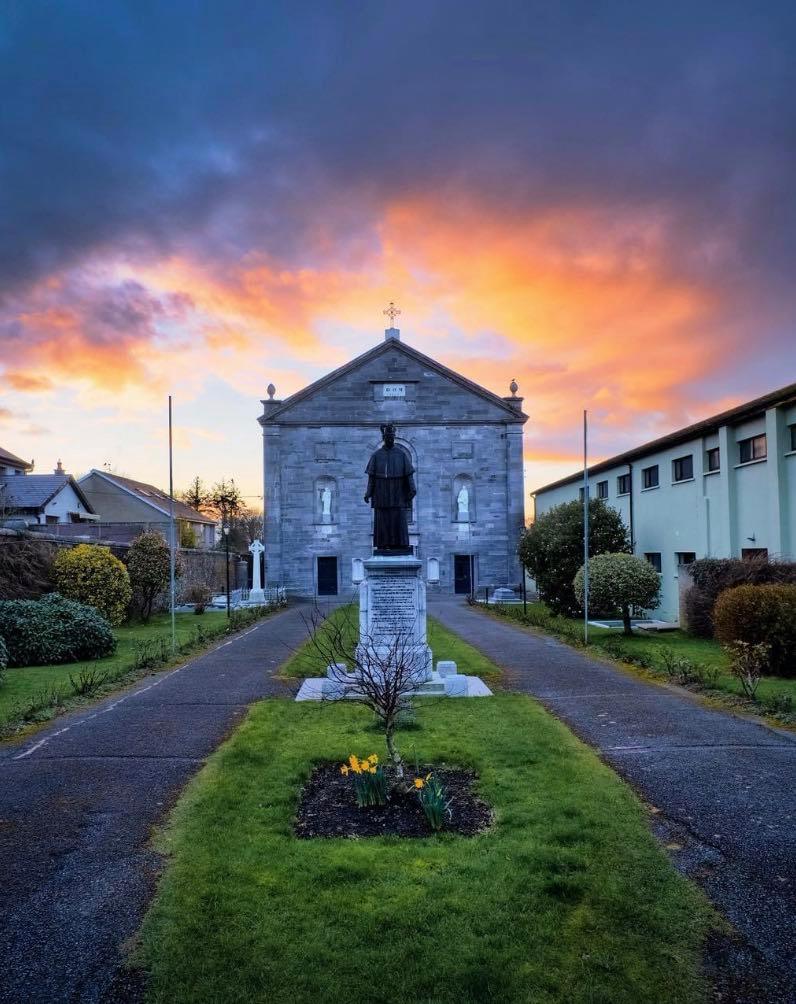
x=740 y=413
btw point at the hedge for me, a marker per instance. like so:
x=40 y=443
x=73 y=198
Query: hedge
x=53 y=630
x=711 y=576
x=757 y=614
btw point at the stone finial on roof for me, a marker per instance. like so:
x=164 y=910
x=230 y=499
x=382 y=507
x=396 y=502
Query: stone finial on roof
x=514 y=387
x=271 y=390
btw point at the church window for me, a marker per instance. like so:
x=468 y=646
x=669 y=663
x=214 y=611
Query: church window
x=463 y=499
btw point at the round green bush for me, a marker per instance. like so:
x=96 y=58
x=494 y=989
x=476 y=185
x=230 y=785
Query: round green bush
x=53 y=630
x=621 y=582
x=89 y=573
x=760 y=614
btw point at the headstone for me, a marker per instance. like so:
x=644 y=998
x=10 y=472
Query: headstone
x=447 y=667
x=257 y=595
x=357 y=571
x=456 y=686
x=502 y=594
x=432 y=571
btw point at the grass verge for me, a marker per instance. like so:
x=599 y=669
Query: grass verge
x=33 y=694
x=566 y=899
x=444 y=644
x=709 y=671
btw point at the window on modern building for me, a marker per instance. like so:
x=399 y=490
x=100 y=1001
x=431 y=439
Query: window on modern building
x=750 y=553
x=649 y=477
x=623 y=484
x=683 y=468
x=685 y=557
x=713 y=458
x=580 y=493
x=792 y=431
x=753 y=448
x=602 y=489
x=654 y=558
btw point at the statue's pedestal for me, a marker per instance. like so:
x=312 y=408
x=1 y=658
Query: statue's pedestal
x=392 y=616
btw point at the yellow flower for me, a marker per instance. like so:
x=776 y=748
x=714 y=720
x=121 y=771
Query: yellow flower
x=371 y=770
x=373 y=758
x=353 y=761
x=344 y=770
x=419 y=782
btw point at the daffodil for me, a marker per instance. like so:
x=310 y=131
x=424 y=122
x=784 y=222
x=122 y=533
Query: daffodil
x=419 y=782
x=373 y=758
x=344 y=770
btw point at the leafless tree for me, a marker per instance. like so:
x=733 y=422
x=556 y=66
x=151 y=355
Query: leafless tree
x=382 y=676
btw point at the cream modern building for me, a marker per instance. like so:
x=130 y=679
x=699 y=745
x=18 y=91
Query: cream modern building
x=724 y=487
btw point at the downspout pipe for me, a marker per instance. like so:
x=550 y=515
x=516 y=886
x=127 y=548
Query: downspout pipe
x=630 y=511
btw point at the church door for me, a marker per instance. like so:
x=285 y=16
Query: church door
x=462 y=579
x=327 y=576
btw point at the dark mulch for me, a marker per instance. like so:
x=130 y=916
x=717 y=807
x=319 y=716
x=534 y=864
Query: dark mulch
x=328 y=808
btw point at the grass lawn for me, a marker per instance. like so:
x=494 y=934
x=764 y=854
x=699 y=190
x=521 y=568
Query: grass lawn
x=25 y=685
x=444 y=644
x=566 y=899
x=649 y=645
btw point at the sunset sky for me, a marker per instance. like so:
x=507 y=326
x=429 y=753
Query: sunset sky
x=596 y=199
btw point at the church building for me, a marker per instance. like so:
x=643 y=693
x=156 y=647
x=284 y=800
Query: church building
x=464 y=443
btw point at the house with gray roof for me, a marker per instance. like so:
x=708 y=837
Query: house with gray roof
x=11 y=464
x=44 y=499
x=137 y=505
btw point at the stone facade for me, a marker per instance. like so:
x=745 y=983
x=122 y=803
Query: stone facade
x=466 y=446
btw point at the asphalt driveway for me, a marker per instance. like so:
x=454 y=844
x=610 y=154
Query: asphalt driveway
x=722 y=788
x=79 y=799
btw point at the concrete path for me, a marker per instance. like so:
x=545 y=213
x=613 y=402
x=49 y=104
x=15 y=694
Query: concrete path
x=79 y=799
x=724 y=788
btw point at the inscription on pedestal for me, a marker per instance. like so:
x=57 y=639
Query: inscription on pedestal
x=393 y=606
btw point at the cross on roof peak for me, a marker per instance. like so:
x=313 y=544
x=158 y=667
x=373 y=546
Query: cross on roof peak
x=392 y=312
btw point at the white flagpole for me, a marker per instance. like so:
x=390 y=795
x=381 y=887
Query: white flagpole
x=172 y=541
x=585 y=530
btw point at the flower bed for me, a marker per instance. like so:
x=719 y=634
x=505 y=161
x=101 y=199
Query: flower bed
x=328 y=807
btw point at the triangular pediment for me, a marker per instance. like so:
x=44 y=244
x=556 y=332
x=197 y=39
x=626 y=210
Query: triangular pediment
x=350 y=393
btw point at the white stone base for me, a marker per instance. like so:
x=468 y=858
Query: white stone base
x=323 y=689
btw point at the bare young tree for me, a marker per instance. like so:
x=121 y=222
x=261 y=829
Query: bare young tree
x=380 y=675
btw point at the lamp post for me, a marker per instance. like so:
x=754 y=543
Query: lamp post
x=225 y=531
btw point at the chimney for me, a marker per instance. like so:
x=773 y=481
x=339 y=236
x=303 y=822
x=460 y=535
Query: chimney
x=59 y=469
x=392 y=333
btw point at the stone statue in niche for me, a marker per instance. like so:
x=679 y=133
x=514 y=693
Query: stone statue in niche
x=463 y=505
x=390 y=491
x=326 y=504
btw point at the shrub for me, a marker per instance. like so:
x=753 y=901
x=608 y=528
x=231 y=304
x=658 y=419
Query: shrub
x=25 y=567
x=149 y=567
x=619 y=582
x=551 y=548
x=88 y=679
x=200 y=595
x=53 y=630
x=760 y=614
x=711 y=576
x=748 y=663
x=90 y=574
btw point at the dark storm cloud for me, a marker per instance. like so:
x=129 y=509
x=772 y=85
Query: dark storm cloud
x=234 y=127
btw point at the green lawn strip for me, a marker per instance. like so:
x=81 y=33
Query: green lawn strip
x=566 y=899
x=646 y=647
x=33 y=694
x=308 y=661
